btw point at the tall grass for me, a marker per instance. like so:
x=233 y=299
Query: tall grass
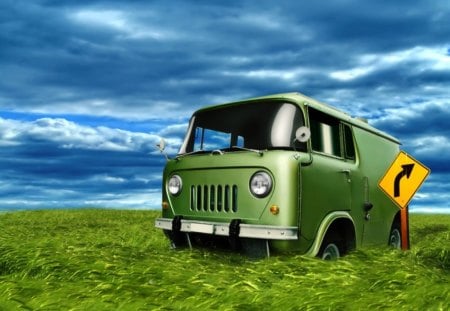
x=117 y=260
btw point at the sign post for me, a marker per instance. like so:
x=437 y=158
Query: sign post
x=404 y=228
x=400 y=182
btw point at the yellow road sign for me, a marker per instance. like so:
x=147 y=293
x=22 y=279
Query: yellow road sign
x=403 y=178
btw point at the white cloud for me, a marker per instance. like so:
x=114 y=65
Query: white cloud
x=429 y=145
x=121 y=22
x=69 y=135
x=435 y=58
x=151 y=109
x=114 y=180
x=9 y=132
x=284 y=74
x=149 y=200
x=174 y=129
x=260 y=20
x=106 y=18
x=345 y=75
x=414 y=112
x=421 y=58
x=431 y=210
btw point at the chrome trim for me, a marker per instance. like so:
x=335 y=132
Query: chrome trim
x=222 y=229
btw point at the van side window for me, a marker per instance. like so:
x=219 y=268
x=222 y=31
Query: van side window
x=324 y=133
x=348 y=143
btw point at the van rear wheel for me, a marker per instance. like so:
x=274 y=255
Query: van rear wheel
x=395 y=237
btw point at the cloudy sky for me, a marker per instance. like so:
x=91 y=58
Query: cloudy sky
x=87 y=88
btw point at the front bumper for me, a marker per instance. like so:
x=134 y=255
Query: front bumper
x=223 y=229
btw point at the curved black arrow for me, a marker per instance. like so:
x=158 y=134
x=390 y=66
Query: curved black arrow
x=407 y=169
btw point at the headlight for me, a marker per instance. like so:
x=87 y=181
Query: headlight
x=260 y=184
x=174 y=185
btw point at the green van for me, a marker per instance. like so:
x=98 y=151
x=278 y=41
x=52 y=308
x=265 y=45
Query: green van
x=280 y=173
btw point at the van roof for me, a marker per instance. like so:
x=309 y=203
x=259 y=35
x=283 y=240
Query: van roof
x=304 y=100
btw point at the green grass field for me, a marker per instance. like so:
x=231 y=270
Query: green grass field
x=117 y=260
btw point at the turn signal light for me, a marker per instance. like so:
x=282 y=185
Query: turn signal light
x=274 y=209
x=165 y=205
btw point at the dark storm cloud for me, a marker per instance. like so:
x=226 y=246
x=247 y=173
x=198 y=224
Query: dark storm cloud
x=135 y=55
x=88 y=87
x=423 y=129
x=418 y=120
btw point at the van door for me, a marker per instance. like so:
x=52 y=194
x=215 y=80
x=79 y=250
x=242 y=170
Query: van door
x=325 y=188
x=326 y=182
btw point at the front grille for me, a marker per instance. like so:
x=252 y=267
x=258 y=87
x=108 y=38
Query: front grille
x=214 y=198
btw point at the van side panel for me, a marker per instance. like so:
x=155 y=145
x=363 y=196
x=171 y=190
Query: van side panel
x=375 y=156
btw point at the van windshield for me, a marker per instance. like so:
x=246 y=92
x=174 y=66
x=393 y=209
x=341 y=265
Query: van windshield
x=258 y=125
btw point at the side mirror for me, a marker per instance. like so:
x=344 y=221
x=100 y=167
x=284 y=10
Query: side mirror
x=161 y=145
x=302 y=134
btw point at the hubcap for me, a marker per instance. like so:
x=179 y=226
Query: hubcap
x=331 y=252
x=395 y=239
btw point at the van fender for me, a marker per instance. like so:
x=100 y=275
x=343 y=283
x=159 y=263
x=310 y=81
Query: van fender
x=323 y=228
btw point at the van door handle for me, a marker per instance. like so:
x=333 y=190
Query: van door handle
x=347 y=173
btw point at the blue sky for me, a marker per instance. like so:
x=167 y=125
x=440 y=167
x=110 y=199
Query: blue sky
x=89 y=87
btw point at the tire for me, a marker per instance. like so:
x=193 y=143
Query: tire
x=331 y=248
x=331 y=252
x=395 y=237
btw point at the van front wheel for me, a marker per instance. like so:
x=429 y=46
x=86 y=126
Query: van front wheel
x=330 y=252
x=331 y=248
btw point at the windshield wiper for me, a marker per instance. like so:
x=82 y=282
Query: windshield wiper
x=191 y=153
x=218 y=151
x=260 y=152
